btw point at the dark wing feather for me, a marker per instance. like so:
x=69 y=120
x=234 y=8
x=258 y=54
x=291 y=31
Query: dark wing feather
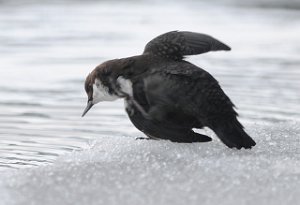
x=194 y=91
x=177 y=44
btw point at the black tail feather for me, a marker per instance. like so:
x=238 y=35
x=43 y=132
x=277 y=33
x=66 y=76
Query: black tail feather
x=232 y=134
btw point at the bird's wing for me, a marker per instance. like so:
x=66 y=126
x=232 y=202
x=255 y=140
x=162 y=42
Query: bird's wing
x=185 y=87
x=196 y=93
x=177 y=44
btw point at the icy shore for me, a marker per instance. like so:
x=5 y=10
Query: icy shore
x=122 y=170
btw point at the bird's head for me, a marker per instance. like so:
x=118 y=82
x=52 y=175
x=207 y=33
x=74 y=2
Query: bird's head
x=101 y=84
x=97 y=86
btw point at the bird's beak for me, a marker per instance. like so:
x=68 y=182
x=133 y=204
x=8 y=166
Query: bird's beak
x=88 y=107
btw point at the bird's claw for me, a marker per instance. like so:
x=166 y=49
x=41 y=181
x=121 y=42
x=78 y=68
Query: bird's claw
x=142 y=138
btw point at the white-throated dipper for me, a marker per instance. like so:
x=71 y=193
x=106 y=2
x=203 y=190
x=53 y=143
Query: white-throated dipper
x=166 y=96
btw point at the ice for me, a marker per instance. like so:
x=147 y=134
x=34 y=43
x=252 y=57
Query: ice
x=122 y=170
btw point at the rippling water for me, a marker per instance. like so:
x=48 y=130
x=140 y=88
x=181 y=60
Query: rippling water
x=47 y=50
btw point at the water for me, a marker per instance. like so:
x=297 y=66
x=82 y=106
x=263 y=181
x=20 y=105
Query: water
x=48 y=49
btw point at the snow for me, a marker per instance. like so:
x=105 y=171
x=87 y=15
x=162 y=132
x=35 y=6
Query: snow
x=122 y=170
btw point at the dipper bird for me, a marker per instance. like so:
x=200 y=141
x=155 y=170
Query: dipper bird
x=166 y=96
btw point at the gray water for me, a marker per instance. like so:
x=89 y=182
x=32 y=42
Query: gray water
x=46 y=51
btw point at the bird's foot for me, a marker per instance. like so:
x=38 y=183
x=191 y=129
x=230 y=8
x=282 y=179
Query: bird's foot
x=143 y=138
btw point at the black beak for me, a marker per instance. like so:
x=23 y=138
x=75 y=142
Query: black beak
x=88 y=107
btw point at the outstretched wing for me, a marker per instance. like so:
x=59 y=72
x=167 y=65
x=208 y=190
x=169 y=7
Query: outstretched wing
x=177 y=44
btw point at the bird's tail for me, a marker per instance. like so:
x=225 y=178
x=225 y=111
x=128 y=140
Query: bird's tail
x=232 y=134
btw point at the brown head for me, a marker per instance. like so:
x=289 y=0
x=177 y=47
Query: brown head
x=98 y=84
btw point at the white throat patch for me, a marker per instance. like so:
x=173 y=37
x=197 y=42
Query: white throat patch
x=100 y=92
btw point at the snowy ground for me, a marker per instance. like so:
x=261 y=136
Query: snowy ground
x=121 y=170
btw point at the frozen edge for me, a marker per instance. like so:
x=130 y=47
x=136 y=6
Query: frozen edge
x=121 y=170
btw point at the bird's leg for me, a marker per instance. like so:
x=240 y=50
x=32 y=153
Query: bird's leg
x=142 y=138
x=149 y=137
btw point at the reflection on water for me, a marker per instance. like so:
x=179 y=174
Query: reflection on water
x=47 y=50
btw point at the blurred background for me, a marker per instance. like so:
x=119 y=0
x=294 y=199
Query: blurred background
x=48 y=47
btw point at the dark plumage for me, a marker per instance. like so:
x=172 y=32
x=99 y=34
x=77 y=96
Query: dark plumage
x=171 y=96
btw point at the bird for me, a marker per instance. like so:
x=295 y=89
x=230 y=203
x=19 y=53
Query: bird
x=165 y=96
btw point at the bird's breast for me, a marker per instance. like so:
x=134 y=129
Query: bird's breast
x=125 y=85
